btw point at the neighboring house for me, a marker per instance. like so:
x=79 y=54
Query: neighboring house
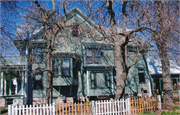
x=82 y=66
x=155 y=69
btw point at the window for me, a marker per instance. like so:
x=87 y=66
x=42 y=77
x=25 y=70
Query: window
x=93 y=56
x=38 y=55
x=132 y=50
x=107 y=75
x=75 y=30
x=97 y=56
x=55 y=67
x=92 y=81
x=38 y=81
x=89 y=56
x=66 y=67
x=141 y=75
x=23 y=52
x=100 y=80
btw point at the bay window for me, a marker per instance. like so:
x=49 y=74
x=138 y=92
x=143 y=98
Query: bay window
x=65 y=67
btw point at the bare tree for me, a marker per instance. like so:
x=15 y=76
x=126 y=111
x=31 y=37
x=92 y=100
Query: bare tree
x=166 y=27
x=121 y=40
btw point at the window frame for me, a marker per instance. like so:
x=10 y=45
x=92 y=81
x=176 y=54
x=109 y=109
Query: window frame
x=38 y=82
x=141 y=78
x=55 y=68
x=62 y=68
x=104 y=80
x=97 y=56
x=93 y=57
x=94 y=80
x=89 y=56
x=108 y=81
x=37 y=54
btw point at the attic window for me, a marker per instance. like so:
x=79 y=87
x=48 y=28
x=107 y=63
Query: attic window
x=141 y=75
x=75 y=30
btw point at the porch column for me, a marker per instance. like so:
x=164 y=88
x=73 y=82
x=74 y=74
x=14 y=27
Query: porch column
x=5 y=84
x=16 y=86
x=160 y=88
x=87 y=83
x=22 y=83
x=26 y=74
x=22 y=89
x=112 y=83
x=2 y=79
x=10 y=88
x=177 y=84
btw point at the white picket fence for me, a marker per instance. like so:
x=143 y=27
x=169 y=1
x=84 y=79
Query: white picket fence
x=111 y=107
x=31 y=110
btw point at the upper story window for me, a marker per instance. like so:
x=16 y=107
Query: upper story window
x=38 y=81
x=75 y=30
x=55 y=67
x=23 y=52
x=38 y=55
x=93 y=56
x=66 y=68
x=141 y=75
x=132 y=50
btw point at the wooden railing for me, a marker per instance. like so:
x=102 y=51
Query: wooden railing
x=74 y=108
x=138 y=105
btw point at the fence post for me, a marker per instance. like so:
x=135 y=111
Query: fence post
x=128 y=105
x=159 y=101
x=9 y=109
x=53 y=108
x=179 y=94
x=93 y=108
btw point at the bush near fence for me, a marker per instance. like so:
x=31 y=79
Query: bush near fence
x=138 y=105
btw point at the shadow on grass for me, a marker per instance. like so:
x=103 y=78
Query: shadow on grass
x=2 y=111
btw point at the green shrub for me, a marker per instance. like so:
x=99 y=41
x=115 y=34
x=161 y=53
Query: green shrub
x=150 y=113
x=176 y=107
x=2 y=111
x=170 y=113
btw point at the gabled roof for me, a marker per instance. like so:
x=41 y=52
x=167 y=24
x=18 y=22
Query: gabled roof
x=155 y=67
x=25 y=32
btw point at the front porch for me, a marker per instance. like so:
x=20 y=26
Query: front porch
x=13 y=84
x=158 y=85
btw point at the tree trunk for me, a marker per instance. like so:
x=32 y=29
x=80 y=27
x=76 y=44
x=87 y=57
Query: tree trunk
x=121 y=75
x=166 y=76
x=161 y=42
x=49 y=77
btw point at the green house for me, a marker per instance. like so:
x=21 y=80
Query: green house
x=83 y=66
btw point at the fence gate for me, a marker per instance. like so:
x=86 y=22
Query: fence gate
x=108 y=107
